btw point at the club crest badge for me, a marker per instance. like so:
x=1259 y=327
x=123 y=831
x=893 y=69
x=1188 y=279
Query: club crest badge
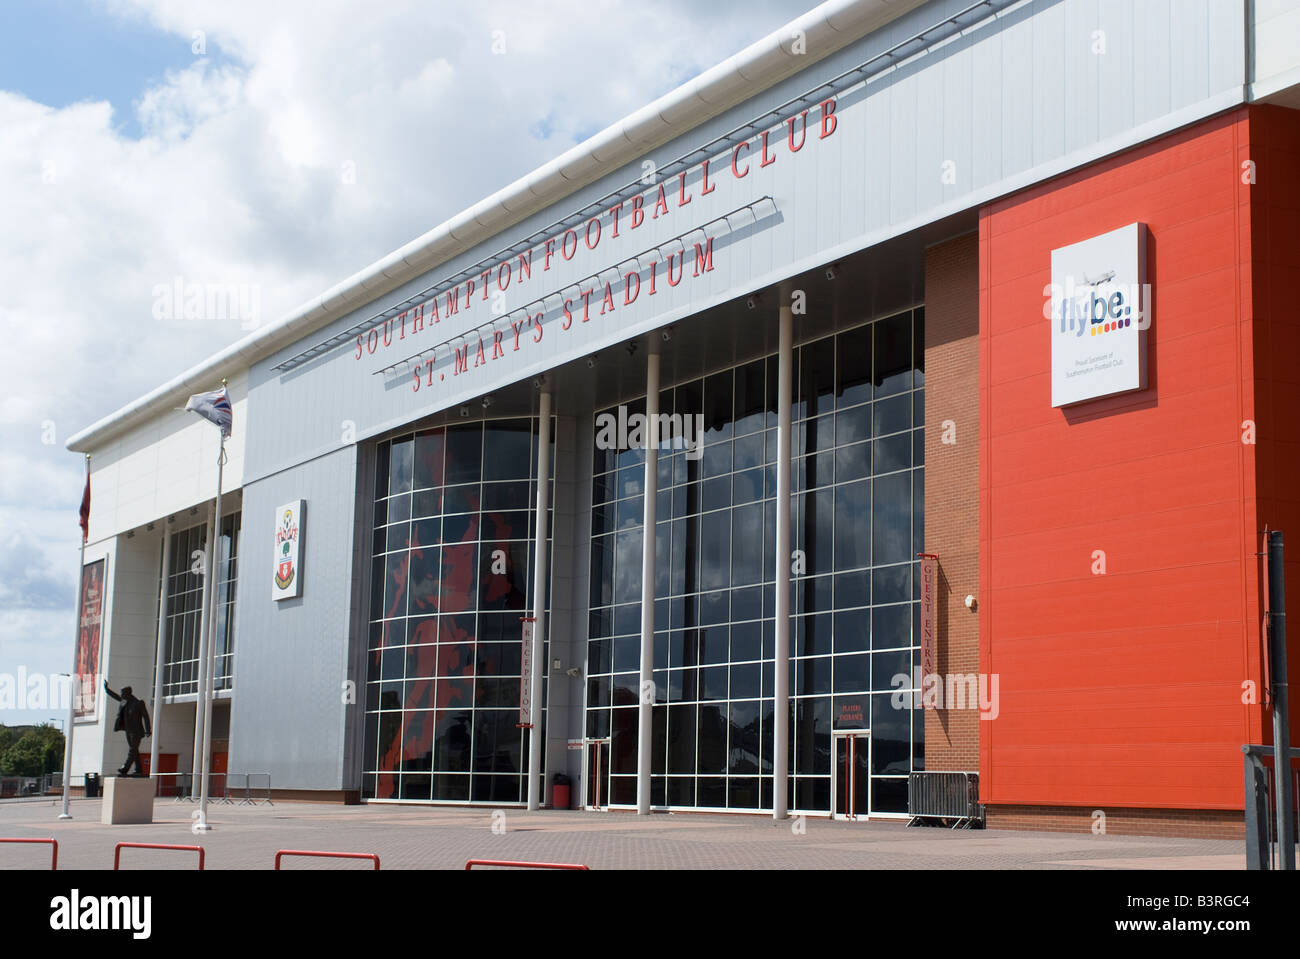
x=287 y=533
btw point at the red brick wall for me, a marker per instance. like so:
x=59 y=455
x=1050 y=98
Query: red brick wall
x=1207 y=824
x=952 y=484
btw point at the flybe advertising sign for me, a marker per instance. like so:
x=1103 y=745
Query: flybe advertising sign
x=1099 y=314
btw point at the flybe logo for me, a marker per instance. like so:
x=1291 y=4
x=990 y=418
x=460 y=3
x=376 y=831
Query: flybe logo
x=1098 y=307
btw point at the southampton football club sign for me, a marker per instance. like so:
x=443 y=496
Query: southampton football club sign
x=288 y=533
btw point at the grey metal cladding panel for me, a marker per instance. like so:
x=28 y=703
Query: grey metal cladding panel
x=902 y=149
x=1153 y=83
x=288 y=716
x=1024 y=95
x=1117 y=68
x=1061 y=49
x=988 y=110
x=1226 y=44
x=1016 y=40
x=959 y=120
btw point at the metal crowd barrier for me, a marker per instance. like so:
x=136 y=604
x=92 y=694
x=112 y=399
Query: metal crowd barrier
x=249 y=786
x=17 y=787
x=54 y=848
x=182 y=784
x=233 y=783
x=944 y=796
x=117 y=850
x=224 y=788
x=520 y=864
x=1263 y=851
x=318 y=854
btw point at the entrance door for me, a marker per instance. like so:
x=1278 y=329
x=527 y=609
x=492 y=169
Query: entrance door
x=851 y=774
x=596 y=774
x=166 y=767
x=217 y=784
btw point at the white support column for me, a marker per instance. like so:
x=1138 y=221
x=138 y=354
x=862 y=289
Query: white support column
x=209 y=597
x=535 y=735
x=781 y=690
x=645 y=686
x=160 y=654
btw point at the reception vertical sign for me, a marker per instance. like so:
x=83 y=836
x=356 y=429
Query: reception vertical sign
x=929 y=573
x=526 y=670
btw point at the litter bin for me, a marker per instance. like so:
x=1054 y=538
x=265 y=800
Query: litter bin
x=92 y=785
x=561 y=789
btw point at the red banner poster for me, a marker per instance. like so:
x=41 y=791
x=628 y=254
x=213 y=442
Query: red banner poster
x=929 y=592
x=90 y=616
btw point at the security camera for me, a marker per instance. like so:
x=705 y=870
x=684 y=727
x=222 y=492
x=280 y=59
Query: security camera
x=464 y=411
x=631 y=348
x=667 y=334
x=832 y=272
x=487 y=401
x=573 y=672
x=970 y=602
x=591 y=361
x=751 y=302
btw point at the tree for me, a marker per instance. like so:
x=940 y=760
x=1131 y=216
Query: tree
x=39 y=750
x=24 y=758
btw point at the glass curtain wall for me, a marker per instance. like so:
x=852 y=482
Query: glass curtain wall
x=451 y=578
x=857 y=515
x=185 y=607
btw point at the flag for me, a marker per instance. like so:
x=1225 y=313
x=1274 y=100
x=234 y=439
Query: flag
x=85 y=509
x=213 y=407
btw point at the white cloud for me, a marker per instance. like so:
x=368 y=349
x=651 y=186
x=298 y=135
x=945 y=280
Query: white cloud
x=238 y=181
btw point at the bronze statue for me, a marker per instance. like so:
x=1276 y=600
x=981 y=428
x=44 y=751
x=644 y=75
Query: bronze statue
x=132 y=719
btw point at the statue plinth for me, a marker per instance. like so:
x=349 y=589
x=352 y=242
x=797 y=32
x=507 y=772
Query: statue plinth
x=127 y=799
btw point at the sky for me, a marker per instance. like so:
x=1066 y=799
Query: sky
x=254 y=145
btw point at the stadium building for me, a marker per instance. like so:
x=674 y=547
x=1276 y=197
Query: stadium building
x=947 y=348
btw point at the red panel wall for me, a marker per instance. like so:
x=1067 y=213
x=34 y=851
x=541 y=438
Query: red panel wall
x=1275 y=269
x=1123 y=689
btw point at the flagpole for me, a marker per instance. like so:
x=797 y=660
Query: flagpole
x=209 y=560
x=200 y=684
x=202 y=825
x=72 y=676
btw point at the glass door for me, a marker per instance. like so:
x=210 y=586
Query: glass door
x=595 y=781
x=851 y=774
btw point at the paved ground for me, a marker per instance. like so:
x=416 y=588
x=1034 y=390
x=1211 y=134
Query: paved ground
x=424 y=837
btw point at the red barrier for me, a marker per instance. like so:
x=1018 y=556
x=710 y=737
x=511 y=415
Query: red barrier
x=54 y=847
x=326 y=855
x=117 y=850
x=523 y=865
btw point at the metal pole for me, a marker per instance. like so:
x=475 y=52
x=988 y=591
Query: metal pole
x=645 y=707
x=160 y=653
x=67 y=742
x=209 y=597
x=781 y=685
x=539 y=598
x=214 y=572
x=1281 y=707
x=72 y=676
